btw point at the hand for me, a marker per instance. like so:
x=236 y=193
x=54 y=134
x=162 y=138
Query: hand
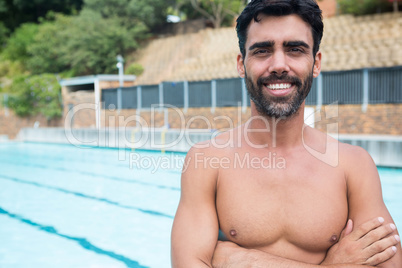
x=370 y=244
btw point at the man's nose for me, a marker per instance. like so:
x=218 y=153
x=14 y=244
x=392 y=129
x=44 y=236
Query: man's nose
x=278 y=64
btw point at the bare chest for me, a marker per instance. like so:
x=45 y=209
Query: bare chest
x=278 y=209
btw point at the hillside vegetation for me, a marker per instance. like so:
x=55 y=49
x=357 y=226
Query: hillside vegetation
x=43 y=41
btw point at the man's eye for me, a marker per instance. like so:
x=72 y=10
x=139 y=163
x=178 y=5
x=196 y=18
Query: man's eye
x=261 y=51
x=296 y=50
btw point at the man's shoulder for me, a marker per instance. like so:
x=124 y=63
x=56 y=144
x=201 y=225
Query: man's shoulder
x=356 y=162
x=346 y=155
x=347 y=150
x=352 y=153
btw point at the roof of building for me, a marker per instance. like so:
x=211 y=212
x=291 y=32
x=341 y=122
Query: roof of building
x=349 y=43
x=90 y=79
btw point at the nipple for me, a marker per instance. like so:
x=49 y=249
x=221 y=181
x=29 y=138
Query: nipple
x=333 y=239
x=233 y=233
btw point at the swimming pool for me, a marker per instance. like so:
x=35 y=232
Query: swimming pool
x=63 y=206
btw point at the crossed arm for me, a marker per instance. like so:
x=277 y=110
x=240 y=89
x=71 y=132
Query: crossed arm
x=195 y=229
x=366 y=245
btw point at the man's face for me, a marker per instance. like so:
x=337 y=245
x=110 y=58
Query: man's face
x=279 y=65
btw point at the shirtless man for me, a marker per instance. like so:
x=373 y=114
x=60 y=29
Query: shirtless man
x=279 y=204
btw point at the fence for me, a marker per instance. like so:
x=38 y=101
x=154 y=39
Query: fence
x=366 y=86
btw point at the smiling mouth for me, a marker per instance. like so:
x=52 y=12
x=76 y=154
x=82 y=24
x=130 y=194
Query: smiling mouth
x=278 y=86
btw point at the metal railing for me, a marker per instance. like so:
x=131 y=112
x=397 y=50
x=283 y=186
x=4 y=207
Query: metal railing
x=365 y=86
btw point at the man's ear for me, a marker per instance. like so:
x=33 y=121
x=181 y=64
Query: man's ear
x=240 y=65
x=317 y=64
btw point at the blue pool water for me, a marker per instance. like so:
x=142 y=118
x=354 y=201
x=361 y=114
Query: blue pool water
x=63 y=206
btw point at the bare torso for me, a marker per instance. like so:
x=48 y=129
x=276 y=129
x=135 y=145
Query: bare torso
x=291 y=201
x=285 y=202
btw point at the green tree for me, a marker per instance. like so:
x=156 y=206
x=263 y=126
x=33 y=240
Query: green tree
x=219 y=12
x=48 y=52
x=13 y=13
x=97 y=42
x=17 y=45
x=109 y=8
x=32 y=95
x=363 y=7
x=86 y=43
x=10 y=69
x=82 y=45
x=152 y=13
x=3 y=35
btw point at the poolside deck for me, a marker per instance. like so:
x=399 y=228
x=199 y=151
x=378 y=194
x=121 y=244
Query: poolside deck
x=384 y=149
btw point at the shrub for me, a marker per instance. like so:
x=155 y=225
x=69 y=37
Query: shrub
x=135 y=69
x=38 y=94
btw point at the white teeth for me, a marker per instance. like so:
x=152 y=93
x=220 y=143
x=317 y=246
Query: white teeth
x=278 y=86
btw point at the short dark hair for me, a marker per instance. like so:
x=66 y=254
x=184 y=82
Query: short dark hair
x=307 y=10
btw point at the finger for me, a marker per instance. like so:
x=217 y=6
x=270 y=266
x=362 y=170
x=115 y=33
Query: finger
x=381 y=257
x=348 y=229
x=366 y=228
x=381 y=245
x=377 y=234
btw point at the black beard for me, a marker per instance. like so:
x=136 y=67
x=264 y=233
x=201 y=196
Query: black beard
x=278 y=107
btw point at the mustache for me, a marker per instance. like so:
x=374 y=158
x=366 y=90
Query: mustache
x=275 y=78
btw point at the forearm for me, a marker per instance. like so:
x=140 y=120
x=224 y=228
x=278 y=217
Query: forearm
x=196 y=263
x=227 y=256
x=262 y=259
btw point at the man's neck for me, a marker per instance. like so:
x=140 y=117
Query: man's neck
x=285 y=132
